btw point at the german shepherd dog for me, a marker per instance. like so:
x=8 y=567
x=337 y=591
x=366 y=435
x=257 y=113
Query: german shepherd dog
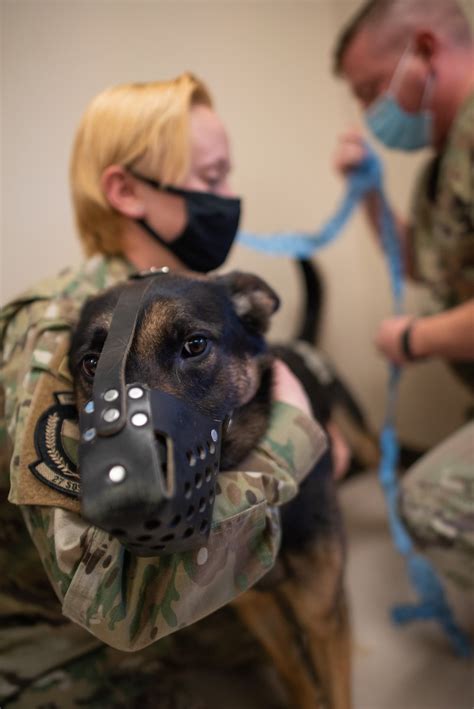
x=201 y=339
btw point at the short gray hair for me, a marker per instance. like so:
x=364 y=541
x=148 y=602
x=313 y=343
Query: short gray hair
x=403 y=17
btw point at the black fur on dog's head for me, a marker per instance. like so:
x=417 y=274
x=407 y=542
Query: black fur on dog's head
x=199 y=338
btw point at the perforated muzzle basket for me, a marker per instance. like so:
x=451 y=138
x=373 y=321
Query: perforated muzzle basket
x=152 y=483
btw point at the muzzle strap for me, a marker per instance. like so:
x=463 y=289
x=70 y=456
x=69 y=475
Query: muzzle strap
x=109 y=382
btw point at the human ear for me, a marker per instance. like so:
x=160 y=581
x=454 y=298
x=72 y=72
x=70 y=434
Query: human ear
x=120 y=190
x=426 y=45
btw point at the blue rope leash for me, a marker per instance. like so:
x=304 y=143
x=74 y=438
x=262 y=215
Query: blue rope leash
x=432 y=603
x=367 y=177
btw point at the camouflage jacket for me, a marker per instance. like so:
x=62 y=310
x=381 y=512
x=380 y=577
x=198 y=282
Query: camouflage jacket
x=443 y=228
x=125 y=601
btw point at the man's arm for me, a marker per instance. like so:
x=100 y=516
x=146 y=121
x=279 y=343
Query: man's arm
x=449 y=335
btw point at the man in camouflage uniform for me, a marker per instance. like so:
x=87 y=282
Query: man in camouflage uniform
x=410 y=64
x=83 y=622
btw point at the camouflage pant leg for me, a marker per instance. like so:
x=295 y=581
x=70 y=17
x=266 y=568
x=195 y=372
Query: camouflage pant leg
x=192 y=669
x=437 y=504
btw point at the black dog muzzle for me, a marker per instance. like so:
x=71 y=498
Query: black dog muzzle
x=148 y=461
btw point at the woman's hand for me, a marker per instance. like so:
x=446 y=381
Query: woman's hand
x=288 y=389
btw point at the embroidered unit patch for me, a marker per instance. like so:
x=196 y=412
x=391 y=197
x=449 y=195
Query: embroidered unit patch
x=56 y=441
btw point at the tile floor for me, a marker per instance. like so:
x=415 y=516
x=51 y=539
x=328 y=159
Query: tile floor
x=395 y=668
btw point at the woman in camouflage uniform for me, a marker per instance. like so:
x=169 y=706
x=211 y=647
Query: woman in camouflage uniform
x=410 y=64
x=72 y=601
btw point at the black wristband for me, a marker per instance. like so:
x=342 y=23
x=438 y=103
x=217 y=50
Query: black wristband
x=405 y=341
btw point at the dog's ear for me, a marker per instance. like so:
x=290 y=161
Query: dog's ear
x=253 y=300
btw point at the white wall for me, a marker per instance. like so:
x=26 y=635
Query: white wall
x=267 y=63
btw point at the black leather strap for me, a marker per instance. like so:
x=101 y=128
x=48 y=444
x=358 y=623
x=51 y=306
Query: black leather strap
x=110 y=374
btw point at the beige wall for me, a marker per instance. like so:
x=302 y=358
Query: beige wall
x=268 y=65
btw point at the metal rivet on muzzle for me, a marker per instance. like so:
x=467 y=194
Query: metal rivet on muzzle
x=89 y=407
x=111 y=395
x=214 y=435
x=117 y=473
x=111 y=415
x=135 y=393
x=139 y=419
x=89 y=435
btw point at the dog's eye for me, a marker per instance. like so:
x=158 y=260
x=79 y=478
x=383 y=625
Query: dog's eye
x=194 y=346
x=89 y=365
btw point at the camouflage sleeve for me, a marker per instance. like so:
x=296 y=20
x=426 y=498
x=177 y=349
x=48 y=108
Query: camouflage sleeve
x=5 y=445
x=129 y=601
x=125 y=600
x=443 y=216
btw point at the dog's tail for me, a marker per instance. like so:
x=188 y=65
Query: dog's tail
x=329 y=394
x=312 y=301
x=309 y=332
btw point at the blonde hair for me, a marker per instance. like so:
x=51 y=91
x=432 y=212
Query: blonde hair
x=145 y=121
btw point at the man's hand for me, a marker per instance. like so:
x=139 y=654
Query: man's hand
x=350 y=151
x=388 y=339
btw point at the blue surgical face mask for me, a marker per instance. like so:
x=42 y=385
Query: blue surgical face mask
x=395 y=127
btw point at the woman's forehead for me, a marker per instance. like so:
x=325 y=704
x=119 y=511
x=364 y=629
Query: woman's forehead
x=209 y=141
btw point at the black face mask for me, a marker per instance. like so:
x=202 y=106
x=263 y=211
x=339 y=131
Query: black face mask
x=212 y=223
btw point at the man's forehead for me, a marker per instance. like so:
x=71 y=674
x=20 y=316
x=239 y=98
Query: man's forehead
x=366 y=58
